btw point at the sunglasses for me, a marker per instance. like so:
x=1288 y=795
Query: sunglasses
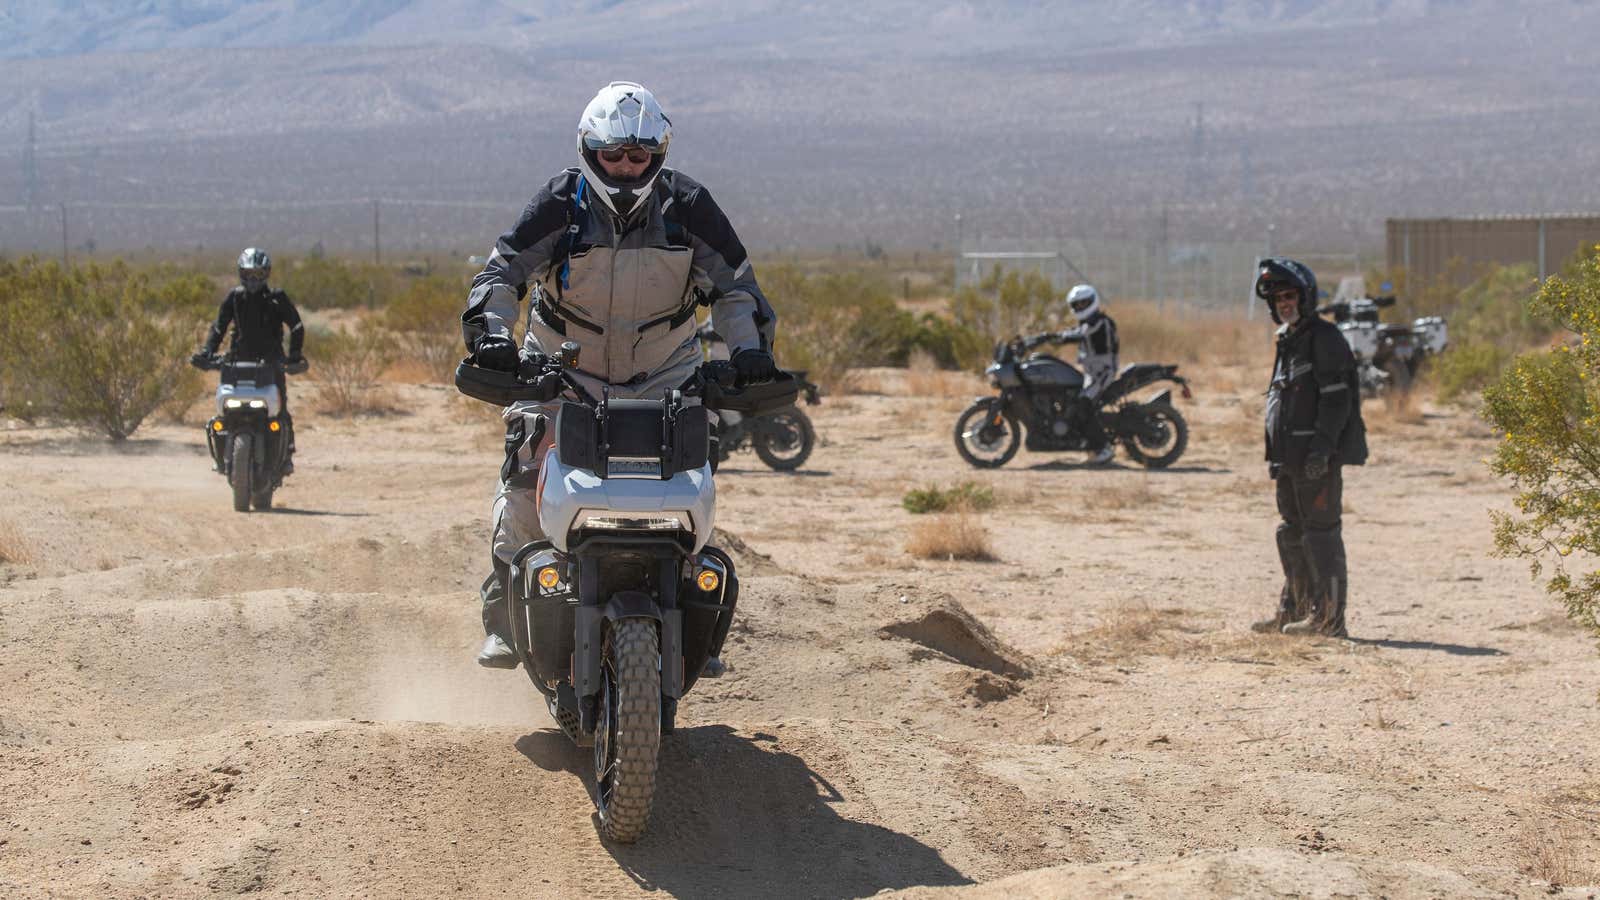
x=1282 y=294
x=636 y=155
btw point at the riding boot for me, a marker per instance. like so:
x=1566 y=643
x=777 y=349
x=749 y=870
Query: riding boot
x=497 y=652
x=1294 y=600
x=1325 y=551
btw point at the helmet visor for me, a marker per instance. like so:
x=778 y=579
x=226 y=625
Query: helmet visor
x=1083 y=303
x=633 y=152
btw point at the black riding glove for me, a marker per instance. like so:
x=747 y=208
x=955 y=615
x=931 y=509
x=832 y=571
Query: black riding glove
x=497 y=352
x=1316 y=467
x=546 y=387
x=754 y=367
x=200 y=359
x=296 y=365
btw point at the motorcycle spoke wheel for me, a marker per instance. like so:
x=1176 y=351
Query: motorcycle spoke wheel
x=627 y=729
x=785 y=439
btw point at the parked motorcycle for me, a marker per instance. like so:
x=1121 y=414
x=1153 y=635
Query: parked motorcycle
x=625 y=605
x=1388 y=356
x=249 y=437
x=783 y=439
x=1039 y=394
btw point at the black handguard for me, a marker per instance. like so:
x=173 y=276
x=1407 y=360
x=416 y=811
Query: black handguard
x=203 y=360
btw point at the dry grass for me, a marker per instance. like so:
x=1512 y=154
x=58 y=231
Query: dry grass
x=349 y=365
x=1187 y=336
x=952 y=536
x=1133 y=630
x=1558 y=850
x=14 y=548
x=924 y=378
x=1127 y=494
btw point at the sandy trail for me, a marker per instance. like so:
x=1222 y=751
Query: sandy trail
x=205 y=702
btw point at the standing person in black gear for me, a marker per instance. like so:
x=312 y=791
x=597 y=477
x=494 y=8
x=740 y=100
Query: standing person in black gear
x=259 y=315
x=1313 y=430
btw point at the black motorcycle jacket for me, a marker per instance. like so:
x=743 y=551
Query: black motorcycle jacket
x=258 y=321
x=1314 y=400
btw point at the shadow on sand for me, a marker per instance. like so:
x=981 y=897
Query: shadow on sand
x=1452 y=649
x=738 y=816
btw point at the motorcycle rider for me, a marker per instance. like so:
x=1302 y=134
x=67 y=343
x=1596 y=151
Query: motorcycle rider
x=1313 y=429
x=1096 y=337
x=615 y=254
x=259 y=315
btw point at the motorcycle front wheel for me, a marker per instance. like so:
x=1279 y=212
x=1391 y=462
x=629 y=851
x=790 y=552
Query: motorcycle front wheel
x=784 y=439
x=239 y=476
x=628 y=729
x=1162 y=438
x=986 y=435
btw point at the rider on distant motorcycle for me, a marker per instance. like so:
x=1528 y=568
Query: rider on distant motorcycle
x=615 y=254
x=259 y=315
x=1096 y=337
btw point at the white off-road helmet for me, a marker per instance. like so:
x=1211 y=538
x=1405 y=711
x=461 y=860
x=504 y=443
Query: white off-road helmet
x=1084 y=301
x=255 y=267
x=623 y=114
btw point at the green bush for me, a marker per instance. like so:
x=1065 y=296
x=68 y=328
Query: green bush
x=320 y=282
x=347 y=369
x=425 y=318
x=967 y=496
x=101 y=347
x=1007 y=304
x=1546 y=405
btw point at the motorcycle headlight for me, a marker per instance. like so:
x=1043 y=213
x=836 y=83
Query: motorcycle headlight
x=613 y=522
x=232 y=404
x=258 y=404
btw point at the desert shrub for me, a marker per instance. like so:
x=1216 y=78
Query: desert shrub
x=347 y=369
x=950 y=536
x=100 y=346
x=321 y=282
x=1007 y=304
x=968 y=495
x=1546 y=405
x=425 y=319
x=832 y=322
x=1490 y=322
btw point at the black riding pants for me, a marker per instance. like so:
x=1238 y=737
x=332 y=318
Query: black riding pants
x=1310 y=542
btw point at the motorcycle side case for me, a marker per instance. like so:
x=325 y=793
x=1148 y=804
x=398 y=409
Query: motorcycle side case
x=1363 y=338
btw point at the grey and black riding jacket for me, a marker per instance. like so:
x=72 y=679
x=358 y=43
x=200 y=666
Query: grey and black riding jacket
x=1314 y=400
x=626 y=293
x=1098 y=347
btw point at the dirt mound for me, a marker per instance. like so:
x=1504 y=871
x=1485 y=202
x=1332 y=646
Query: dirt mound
x=1248 y=873
x=749 y=562
x=948 y=630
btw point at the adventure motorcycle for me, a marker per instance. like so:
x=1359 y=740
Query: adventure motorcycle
x=784 y=439
x=249 y=437
x=1387 y=355
x=1040 y=393
x=625 y=605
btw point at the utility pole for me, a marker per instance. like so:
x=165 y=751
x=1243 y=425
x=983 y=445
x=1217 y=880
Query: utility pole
x=63 y=235
x=377 y=252
x=30 y=170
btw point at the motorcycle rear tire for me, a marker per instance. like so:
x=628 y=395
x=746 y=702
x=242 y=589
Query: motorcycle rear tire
x=1176 y=422
x=239 y=473
x=772 y=456
x=628 y=731
x=1399 y=376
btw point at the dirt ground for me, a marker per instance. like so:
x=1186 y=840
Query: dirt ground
x=202 y=702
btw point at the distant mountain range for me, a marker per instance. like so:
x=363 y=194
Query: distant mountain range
x=815 y=124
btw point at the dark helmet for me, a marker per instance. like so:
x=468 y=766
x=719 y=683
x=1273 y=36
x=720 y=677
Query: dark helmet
x=1278 y=273
x=255 y=267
